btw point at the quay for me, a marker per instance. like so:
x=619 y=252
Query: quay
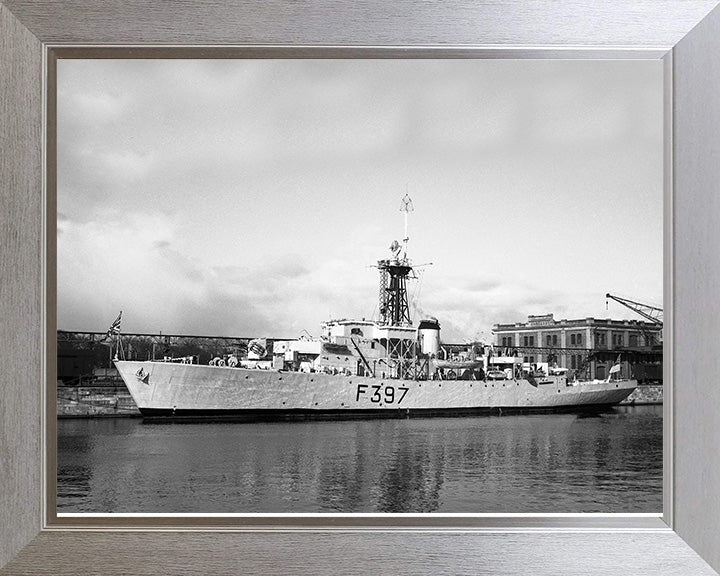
x=104 y=395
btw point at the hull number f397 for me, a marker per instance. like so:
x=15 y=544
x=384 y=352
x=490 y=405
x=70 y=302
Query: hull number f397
x=379 y=394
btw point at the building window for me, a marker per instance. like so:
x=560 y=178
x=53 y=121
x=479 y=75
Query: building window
x=532 y=340
x=633 y=339
x=572 y=361
x=572 y=341
x=554 y=340
x=525 y=358
x=549 y=340
x=579 y=339
x=532 y=359
x=525 y=341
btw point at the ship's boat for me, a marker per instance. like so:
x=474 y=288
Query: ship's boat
x=495 y=374
x=362 y=368
x=457 y=364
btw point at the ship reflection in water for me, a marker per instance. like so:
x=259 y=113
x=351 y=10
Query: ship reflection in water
x=610 y=462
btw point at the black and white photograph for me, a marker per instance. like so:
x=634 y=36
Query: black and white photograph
x=368 y=286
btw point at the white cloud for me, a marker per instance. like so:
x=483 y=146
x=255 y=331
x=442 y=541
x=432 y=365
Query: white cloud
x=250 y=196
x=92 y=108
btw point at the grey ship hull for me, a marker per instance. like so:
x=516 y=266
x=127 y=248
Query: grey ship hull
x=163 y=389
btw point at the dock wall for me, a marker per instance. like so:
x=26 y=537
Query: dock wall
x=95 y=401
x=652 y=394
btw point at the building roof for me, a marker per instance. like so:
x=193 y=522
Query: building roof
x=547 y=321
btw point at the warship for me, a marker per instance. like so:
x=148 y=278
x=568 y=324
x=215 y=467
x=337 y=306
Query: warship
x=365 y=368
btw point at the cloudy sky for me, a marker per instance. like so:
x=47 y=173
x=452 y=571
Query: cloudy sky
x=244 y=198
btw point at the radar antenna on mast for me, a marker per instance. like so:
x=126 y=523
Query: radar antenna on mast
x=406 y=206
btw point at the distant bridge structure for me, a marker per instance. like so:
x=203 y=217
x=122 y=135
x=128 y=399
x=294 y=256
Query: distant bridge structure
x=81 y=354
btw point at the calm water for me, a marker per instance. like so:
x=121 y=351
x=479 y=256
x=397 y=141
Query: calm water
x=537 y=463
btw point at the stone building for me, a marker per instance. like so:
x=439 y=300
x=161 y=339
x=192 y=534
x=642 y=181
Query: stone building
x=591 y=345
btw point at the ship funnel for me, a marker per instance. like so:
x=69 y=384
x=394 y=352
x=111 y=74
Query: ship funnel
x=429 y=336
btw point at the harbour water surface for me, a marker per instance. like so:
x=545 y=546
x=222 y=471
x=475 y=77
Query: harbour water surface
x=610 y=462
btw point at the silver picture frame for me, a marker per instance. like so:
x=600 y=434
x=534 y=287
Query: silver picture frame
x=684 y=36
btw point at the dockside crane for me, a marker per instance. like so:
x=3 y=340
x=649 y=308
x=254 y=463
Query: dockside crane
x=645 y=372
x=651 y=313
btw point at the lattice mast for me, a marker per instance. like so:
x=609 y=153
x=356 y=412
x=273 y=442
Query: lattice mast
x=393 y=299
